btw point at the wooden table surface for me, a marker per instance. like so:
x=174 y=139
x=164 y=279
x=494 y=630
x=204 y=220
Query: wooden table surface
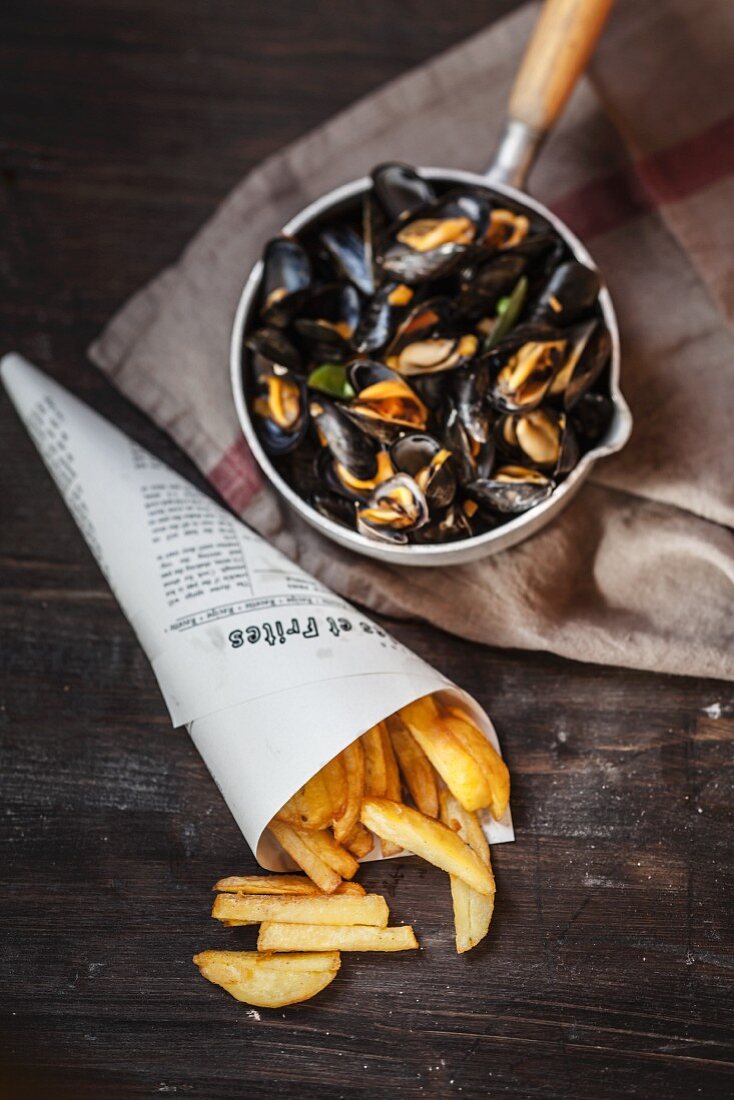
x=608 y=971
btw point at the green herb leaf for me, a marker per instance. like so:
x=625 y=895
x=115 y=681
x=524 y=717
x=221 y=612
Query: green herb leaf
x=331 y=379
x=508 y=312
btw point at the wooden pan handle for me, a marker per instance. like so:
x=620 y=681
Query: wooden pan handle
x=563 y=41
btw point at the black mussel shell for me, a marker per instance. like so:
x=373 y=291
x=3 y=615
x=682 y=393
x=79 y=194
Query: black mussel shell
x=272 y=344
x=400 y=190
x=482 y=285
x=510 y=490
x=339 y=479
x=381 y=316
x=541 y=438
x=470 y=386
x=429 y=464
x=385 y=405
x=281 y=414
x=590 y=355
x=336 y=508
x=431 y=388
x=449 y=526
x=328 y=322
x=571 y=293
x=427 y=341
x=437 y=239
x=524 y=367
x=286 y=280
x=354 y=450
x=396 y=508
x=591 y=417
x=350 y=256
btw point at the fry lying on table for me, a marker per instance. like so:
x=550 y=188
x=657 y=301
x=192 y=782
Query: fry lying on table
x=433 y=751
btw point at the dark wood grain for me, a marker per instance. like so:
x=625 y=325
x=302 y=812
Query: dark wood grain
x=609 y=968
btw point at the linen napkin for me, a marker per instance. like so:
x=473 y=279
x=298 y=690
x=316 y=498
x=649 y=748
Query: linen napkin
x=639 y=569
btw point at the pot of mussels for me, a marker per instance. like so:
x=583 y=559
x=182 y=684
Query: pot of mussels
x=425 y=362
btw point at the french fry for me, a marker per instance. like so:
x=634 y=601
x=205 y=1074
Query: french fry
x=315 y=937
x=326 y=909
x=266 y=884
x=428 y=838
x=392 y=783
x=291 y=841
x=472 y=911
x=287 y=885
x=458 y=769
x=360 y=841
x=375 y=767
x=323 y=845
x=489 y=760
x=418 y=773
x=269 y=981
x=335 y=780
x=353 y=762
x=310 y=807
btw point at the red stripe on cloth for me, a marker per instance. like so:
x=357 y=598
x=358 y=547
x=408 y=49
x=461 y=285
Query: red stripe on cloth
x=237 y=476
x=665 y=177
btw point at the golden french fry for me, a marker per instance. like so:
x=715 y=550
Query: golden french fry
x=458 y=769
x=310 y=807
x=489 y=760
x=266 y=980
x=360 y=841
x=266 y=884
x=323 y=845
x=291 y=841
x=428 y=838
x=392 y=783
x=417 y=770
x=315 y=937
x=352 y=889
x=353 y=762
x=335 y=779
x=324 y=909
x=472 y=911
x=375 y=767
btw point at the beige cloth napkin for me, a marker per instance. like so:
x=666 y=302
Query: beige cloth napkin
x=639 y=570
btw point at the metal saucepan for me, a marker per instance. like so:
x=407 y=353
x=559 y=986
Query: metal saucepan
x=562 y=43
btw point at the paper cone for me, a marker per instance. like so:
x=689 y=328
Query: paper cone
x=271 y=673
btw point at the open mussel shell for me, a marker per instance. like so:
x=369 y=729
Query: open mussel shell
x=472 y=458
x=525 y=367
x=448 y=526
x=511 y=490
x=541 y=438
x=271 y=343
x=385 y=404
x=436 y=238
x=329 y=320
x=427 y=342
x=588 y=352
x=339 y=478
x=286 y=280
x=396 y=508
x=381 y=316
x=354 y=451
x=400 y=190
x=470 y=387
x=281 y=415
x=429 y=464
x=570 y=294
x=350 y=256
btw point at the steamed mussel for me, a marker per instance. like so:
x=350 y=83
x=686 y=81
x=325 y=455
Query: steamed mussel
x=428 y=364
